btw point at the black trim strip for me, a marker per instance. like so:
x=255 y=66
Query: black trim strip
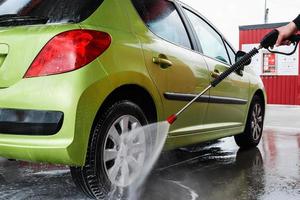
x=227 y=100
x=204 y=98
x=185 y=97
x=30 y=122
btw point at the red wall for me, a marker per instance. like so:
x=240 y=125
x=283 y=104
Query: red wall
x=280 y=89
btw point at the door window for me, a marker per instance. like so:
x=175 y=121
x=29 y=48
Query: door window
x=162 y=18
x=231 y=53
x=211 y=42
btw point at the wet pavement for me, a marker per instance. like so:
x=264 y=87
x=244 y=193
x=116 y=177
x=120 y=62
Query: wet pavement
x=218 y=170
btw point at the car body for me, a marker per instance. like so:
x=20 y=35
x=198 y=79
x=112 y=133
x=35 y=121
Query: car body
x=48 y=117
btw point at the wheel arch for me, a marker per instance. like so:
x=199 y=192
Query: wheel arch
x=134 y=93
x=92 y=104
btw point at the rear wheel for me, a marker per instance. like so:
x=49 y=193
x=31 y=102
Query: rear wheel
x=114 y=158
x=254 y=126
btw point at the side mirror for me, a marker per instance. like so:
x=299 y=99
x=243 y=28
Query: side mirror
x=238 y=56
x=241 y=54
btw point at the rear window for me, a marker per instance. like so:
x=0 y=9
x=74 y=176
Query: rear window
x=55 y=10
x=162 y=18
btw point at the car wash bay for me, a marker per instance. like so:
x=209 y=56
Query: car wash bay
x=218 y=170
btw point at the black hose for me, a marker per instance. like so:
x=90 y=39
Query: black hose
x=238 y=65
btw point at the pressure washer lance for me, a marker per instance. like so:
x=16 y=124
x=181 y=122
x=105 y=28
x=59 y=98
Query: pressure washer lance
x=267 y=42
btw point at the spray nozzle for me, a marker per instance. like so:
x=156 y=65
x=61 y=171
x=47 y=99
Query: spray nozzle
x=172 y=118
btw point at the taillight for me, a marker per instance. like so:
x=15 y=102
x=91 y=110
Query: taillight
x=69 y=51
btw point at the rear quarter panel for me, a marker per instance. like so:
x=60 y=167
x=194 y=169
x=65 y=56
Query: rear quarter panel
x=123 y=63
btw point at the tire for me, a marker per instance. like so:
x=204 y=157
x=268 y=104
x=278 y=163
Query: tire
x=103 y=171
x=254 y=125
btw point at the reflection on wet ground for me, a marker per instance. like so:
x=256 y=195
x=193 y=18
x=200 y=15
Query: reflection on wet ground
x=221 y=171
x=218 y=170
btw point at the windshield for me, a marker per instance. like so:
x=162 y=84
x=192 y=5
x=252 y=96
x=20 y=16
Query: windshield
x=55 y=10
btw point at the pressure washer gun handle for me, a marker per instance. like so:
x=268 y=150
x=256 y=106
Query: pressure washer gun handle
x=270 y=39
x=238 y=65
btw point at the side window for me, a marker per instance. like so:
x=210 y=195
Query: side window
x=162 y=18
x=231 y=53
x=211 y=42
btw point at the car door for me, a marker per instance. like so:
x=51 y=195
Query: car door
x=178 y=72
x=228 y=101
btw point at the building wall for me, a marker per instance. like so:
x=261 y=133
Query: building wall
x=280 y=89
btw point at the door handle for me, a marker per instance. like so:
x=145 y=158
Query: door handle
x=162 y=62
x=215 y=74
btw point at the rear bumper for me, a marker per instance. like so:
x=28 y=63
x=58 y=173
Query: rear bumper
x=30 y=122
x=49 y=119
x=25 y=108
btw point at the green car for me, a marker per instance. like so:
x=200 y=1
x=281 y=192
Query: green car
x=76 y=75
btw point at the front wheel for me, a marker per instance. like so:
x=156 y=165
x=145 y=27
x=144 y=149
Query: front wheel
x=254 y=125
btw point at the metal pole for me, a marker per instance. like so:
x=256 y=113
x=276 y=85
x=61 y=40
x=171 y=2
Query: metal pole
x=266 y=12
x=195 y=99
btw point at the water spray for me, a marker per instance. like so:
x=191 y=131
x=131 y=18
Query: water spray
x=267 y=42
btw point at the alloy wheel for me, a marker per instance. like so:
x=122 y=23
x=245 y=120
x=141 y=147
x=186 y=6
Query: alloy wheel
x=124 y=152
x=257 y=121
